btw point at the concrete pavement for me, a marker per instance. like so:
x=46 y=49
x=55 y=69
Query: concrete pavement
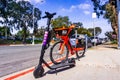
x=99 y=63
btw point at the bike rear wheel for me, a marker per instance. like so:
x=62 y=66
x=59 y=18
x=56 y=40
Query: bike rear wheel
x=59 y=52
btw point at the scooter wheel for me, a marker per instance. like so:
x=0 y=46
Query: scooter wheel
x=72 y=60
x=38 y=72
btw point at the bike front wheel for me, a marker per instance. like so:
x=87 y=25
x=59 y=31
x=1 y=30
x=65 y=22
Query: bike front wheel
x=59 y=52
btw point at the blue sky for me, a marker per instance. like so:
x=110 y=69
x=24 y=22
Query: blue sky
x=77 y=10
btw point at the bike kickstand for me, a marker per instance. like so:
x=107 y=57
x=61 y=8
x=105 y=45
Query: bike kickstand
x=55 y=71
x=77 y=57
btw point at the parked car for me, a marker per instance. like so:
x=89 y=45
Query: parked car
x=89 y=42
x=95 y=40
x=102 y=40
x=80 y=36
x=73 y=39
x=11 y=38
x=2 y=37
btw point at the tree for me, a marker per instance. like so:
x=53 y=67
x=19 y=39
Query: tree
x=5 y=12
x=98 y=31
x=108 y=10
x=111 y=15
x=83 y=31
x=60 y=22
x=40 y=32
x=20 y=34
x=2 y=6
x=26 y=19
x=111 y=35
x=2 y=31
x=20 y=16
x=78 y=24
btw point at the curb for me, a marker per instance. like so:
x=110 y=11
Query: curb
x=26 y=71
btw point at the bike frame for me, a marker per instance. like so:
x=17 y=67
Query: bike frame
x=66 y=40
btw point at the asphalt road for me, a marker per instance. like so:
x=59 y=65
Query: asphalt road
x=101 y=62
x=16 y=58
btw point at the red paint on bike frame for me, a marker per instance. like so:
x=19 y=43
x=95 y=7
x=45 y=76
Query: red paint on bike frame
x=65 y=39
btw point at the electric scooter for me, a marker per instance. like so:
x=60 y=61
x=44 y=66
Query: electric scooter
x=39 y=70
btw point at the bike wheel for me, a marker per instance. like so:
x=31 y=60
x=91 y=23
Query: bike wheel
x=56 y=55
x=81 y=53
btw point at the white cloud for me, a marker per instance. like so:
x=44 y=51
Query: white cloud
x=73 y=7
x=84 y=6
x=86 y=12
x=70 y=9
x=63 y=9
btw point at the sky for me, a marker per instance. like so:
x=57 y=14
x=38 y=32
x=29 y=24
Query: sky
x=76 y=10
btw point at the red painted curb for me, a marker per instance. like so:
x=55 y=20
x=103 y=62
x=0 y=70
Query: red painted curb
x=4 y=44
x=25 y=72
x=28 y=71
x=18 y=75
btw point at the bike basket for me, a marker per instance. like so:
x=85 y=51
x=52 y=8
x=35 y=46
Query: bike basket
x=61 y=32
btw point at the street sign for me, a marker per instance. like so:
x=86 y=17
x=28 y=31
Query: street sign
x=94 y=15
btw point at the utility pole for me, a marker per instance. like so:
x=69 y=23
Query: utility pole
x=33 y=41
x=33 y=28
x=118 y=10
x=94 y=16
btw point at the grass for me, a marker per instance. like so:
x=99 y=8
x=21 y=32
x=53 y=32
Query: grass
x=114 y=42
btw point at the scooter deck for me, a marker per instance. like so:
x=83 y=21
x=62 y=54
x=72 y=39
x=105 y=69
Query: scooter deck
x=63 y=64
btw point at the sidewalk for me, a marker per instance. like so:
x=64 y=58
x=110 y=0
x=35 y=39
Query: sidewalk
x=98 y=64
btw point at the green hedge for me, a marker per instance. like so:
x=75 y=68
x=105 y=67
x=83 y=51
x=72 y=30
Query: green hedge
x=114 y=42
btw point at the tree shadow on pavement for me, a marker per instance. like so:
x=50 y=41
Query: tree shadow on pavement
x=110 y=46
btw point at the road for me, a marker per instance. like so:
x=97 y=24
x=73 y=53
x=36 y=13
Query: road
x=16 y=58
x=101 y=62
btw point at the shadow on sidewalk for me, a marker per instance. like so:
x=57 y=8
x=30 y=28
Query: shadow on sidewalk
x=58 y=70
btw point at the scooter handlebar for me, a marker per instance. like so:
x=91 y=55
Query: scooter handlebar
x=49 y=15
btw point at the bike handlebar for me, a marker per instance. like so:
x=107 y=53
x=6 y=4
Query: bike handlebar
x=49 y=15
